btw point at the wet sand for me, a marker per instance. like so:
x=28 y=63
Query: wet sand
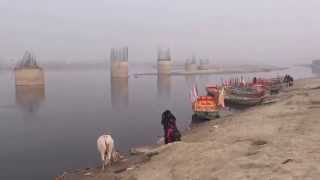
x=279 y=140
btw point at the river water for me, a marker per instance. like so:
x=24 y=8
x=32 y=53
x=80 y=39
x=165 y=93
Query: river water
x=46 y=130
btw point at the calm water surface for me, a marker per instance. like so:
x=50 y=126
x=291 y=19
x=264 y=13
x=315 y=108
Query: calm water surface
x=46 y=130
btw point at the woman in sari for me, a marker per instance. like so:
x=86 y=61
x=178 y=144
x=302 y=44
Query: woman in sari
x=171 y=132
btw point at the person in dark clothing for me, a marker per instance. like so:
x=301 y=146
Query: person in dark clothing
x=288 y=80
x=171 y=132
x=254 y=81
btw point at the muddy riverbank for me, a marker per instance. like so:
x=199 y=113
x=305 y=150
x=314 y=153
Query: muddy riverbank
x=280 y=140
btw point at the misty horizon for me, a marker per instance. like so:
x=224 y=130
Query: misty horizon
x=249 y=32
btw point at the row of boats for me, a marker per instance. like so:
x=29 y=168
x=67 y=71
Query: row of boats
x=237 y=93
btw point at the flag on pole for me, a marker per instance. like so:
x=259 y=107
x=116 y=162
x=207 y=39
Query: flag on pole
x=221 y=98
x=194 y=94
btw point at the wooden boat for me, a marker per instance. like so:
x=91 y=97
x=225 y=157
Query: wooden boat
x=274 y=87
x=205 y=108
x=232 y=100
x=251 y=90
x=212 y=90
x=245 y=96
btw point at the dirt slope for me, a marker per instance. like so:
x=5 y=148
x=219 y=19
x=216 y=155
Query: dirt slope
x=276 y=141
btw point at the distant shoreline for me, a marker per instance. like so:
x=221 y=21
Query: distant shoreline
x=211 y=71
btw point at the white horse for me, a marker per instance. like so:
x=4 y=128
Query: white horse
x=106 y=148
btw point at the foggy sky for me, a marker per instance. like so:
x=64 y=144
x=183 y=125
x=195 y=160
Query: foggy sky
x=268 y=31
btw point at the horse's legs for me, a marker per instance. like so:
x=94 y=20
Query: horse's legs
x=103 y=161
x=109 y=159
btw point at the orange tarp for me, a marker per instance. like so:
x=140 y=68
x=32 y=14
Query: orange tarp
x=205 y=104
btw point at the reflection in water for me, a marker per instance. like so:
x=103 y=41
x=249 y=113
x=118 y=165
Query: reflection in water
x=29 y=98
x=78 y=113
x=164 y=86
x=119 y=92
x=204 y=78
x=190 y=80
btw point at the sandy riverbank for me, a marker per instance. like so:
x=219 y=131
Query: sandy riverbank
x=274 y=141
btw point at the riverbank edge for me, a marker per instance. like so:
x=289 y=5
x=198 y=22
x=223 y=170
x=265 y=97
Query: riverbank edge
x=151 y=150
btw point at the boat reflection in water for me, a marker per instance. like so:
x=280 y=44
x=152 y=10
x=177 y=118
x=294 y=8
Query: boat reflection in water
x=29 y=98
x=119 y=92
x=164 y=86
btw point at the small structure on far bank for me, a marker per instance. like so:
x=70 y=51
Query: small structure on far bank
x=164 y=62
x=204 y=64
x=27 y=71
x=119 y=62
x=29 y=81
x=316 y=62
x=119 y=78
x=191 y=65
x=315 y=67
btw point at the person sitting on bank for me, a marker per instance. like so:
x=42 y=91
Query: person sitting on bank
x=171 y=132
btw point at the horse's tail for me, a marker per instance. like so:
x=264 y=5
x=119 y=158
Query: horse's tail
x=105 y=137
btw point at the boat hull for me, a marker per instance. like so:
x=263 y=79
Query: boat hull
x=234 y=100
x=205 y=116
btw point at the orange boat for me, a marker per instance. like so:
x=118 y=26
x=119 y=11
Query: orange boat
x=207 y=107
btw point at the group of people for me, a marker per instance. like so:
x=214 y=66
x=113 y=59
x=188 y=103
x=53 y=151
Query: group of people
x=288 y=79
x=171 y=132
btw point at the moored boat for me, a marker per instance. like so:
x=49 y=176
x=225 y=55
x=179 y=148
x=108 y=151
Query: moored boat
x=205 y=108
x=245 y=96
x=273 y=86
x=232 y=100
